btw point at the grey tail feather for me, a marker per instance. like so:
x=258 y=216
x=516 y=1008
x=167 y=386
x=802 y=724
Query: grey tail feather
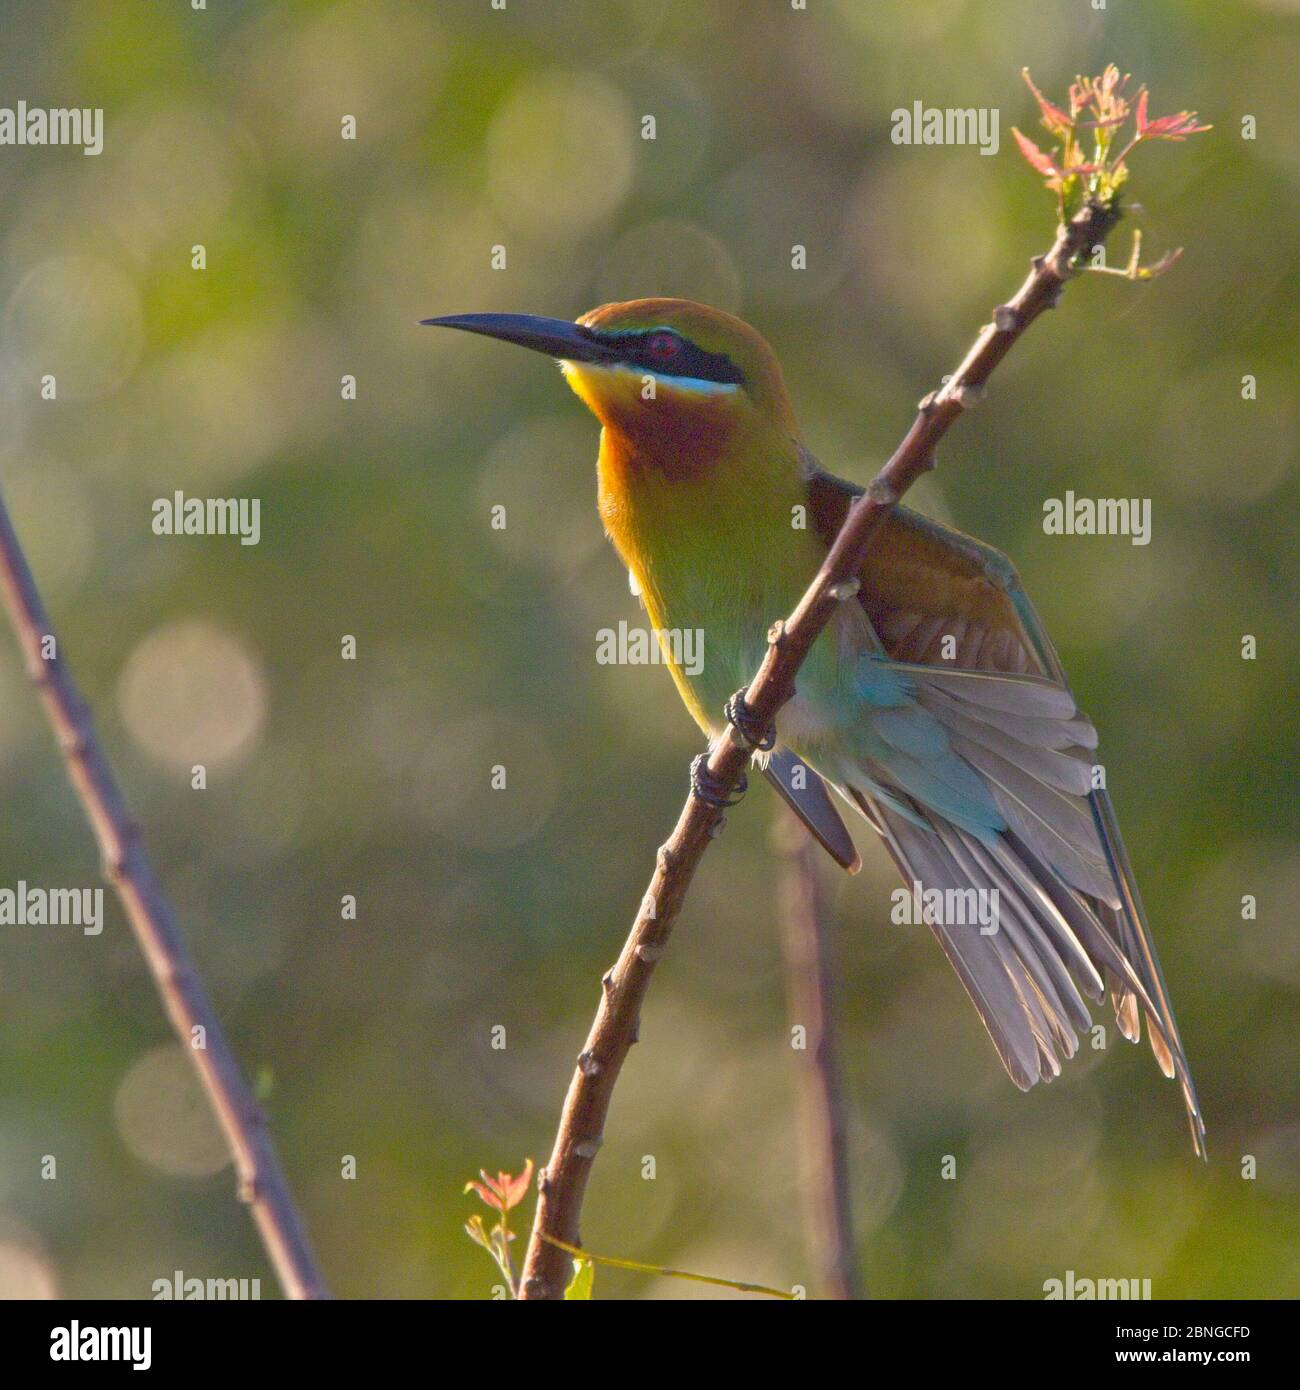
x=1112 y=958
x=1019 y=975
x=1138 y=946
x=922 y=857
x=1025 y=979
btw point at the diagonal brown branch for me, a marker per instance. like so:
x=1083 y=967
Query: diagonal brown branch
x=562 y=1183
x=126 y=865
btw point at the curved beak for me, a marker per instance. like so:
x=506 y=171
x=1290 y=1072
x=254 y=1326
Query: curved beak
x=569 y=342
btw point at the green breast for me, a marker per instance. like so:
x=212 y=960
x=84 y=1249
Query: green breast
x=716 y=573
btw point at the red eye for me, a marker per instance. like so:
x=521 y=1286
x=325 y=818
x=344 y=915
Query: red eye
x=663 y=346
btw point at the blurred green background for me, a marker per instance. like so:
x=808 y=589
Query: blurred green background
x=479 y=909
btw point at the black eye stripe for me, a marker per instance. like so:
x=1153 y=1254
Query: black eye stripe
x=688 y=361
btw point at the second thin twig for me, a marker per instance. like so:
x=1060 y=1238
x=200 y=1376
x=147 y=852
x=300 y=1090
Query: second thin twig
x=262 y=1183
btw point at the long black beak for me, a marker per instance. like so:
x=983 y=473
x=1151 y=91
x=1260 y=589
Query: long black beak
x=570 y=342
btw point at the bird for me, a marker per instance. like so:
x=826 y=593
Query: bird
x=933 y=704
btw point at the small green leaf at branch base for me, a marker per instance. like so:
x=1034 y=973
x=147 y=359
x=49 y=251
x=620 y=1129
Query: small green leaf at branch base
x=583 y=1281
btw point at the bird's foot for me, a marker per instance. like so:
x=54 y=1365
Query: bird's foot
x=741 y=718
x=708 y=789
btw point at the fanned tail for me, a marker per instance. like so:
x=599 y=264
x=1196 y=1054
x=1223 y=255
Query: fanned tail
x=1051 y=946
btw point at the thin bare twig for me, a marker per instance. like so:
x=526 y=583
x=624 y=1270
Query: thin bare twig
x=823 y=1139
x=126 y=866
x=660 y=1271
x=562 y=1183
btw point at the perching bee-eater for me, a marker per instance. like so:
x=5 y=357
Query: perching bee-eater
x=934 y=703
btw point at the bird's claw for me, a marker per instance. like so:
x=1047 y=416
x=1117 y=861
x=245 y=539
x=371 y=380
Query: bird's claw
x=708 y=789
x=741 y=718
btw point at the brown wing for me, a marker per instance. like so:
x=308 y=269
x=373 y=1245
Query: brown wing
x=923 y=583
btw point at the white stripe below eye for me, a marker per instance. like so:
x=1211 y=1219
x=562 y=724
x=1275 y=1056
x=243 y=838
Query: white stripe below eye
x=699 y=386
